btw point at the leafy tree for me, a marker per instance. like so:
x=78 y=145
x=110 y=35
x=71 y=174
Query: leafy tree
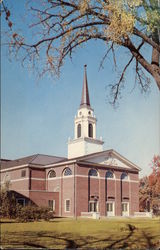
x=65 y=25
x=150 y=187
x=8 y=206
x=144 y=193
x=154 y=182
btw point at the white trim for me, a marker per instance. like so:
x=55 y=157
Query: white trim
x=103 y=178
x=96 y=177
x=69 y=176
x=27 y=178
x=126 y=160
x=55 y=178
x=29 y=190
x=125 y=213
x=46 y=191
x=110 y=213
x=66 y=176
x=53 y=205
x=38 y=179
x=97 y=205
x=59 y=164
x=92 y=176
x=69 y=205
x=49 y=172
x=11 y=168
x=126 y=176
x=45 y=166
x=111 y=151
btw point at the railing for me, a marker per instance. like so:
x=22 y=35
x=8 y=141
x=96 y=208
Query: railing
x=143 y=214
x=92 y=215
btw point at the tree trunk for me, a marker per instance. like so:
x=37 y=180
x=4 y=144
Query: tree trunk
x=153 y=69
x=156 y=76
x=156 y=58
x=155 y=53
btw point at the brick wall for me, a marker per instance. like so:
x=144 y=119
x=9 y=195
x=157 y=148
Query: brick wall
x=79 y=188
x=37 y=179
x=41 y=198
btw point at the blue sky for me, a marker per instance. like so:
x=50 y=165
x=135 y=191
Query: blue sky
x=38 y=116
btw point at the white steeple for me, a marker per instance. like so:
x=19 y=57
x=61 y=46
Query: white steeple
x=84 y=141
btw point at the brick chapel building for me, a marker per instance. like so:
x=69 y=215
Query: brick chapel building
x=89 y=180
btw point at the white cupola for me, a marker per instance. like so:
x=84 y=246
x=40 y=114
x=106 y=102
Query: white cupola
x=84 y=141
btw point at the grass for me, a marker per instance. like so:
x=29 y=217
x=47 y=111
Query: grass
x=82 y=233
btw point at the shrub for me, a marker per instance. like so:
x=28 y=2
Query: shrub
x=10 y=209
x=33 y=213
x=8 y=206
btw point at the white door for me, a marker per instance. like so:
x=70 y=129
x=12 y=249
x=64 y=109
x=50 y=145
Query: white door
x=93 y=206
x=125 y=208
x=110 y=208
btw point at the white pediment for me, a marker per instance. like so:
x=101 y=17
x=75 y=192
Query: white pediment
x=111 y=159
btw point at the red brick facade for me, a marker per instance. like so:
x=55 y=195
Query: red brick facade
x=77 y=191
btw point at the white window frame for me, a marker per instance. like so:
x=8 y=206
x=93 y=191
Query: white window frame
x=53 y=205
x=50 y=171
x=110 y=178
x=93 y=176
x=68 y=175
x=125 y=179
x=125 y=213
x=110 y=213
x=97 y=207
x=67 y=211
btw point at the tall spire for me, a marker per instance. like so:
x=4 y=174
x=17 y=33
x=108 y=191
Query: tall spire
x=85 y=93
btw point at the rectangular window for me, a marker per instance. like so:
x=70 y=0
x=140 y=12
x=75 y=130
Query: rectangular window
x=93 y=206
x=23 y=173
x=67 y=205
x=109 y=207
x=124 y=207
x=21 y=201
x=51 y=205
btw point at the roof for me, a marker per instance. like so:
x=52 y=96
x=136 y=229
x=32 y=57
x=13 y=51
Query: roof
x=37 y=159
x=87 y=159
x=47 y=161
x=111 y=152
x=85 y=101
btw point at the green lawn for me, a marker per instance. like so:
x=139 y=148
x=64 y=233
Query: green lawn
x=82 y=233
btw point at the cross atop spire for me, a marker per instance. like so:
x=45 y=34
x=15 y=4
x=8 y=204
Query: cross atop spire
x=85 y=93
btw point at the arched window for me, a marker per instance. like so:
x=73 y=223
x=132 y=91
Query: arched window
x=109 y=175
x=79 y=130
x=90 y=130
x=51 y=174
x=93 y=172
x=124 y=176
x=67 y=172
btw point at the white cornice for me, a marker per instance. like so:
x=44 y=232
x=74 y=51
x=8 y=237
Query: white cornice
x=87 y=139
x=106 y=166
x=14 y=167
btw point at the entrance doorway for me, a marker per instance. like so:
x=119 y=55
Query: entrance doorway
x=93 y=206
x=125 y=208
x=110 y=208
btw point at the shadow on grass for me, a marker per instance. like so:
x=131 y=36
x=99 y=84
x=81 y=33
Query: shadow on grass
x=149 y=239
x=50 y=240
x=30 y=244
x=7 y=222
